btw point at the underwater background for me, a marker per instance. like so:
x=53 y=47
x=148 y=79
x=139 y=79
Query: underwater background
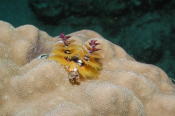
x=144 y=28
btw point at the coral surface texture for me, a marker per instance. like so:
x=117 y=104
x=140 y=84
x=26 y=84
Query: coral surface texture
x=34 y=86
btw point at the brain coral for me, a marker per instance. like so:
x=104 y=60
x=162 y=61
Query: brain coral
x=31 y=86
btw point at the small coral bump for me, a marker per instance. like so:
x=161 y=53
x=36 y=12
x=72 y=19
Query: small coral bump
x=93 y=45
x=64 y=39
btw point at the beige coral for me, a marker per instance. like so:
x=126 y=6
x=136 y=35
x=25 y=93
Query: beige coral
x=30 y=86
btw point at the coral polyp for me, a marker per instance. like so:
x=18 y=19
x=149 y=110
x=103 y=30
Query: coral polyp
x=80 y=61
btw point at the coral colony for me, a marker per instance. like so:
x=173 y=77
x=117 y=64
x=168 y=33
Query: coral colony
x=81 y=62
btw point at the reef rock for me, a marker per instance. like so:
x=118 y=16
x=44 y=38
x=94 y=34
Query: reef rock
x=53 y=11
x=32 y=86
